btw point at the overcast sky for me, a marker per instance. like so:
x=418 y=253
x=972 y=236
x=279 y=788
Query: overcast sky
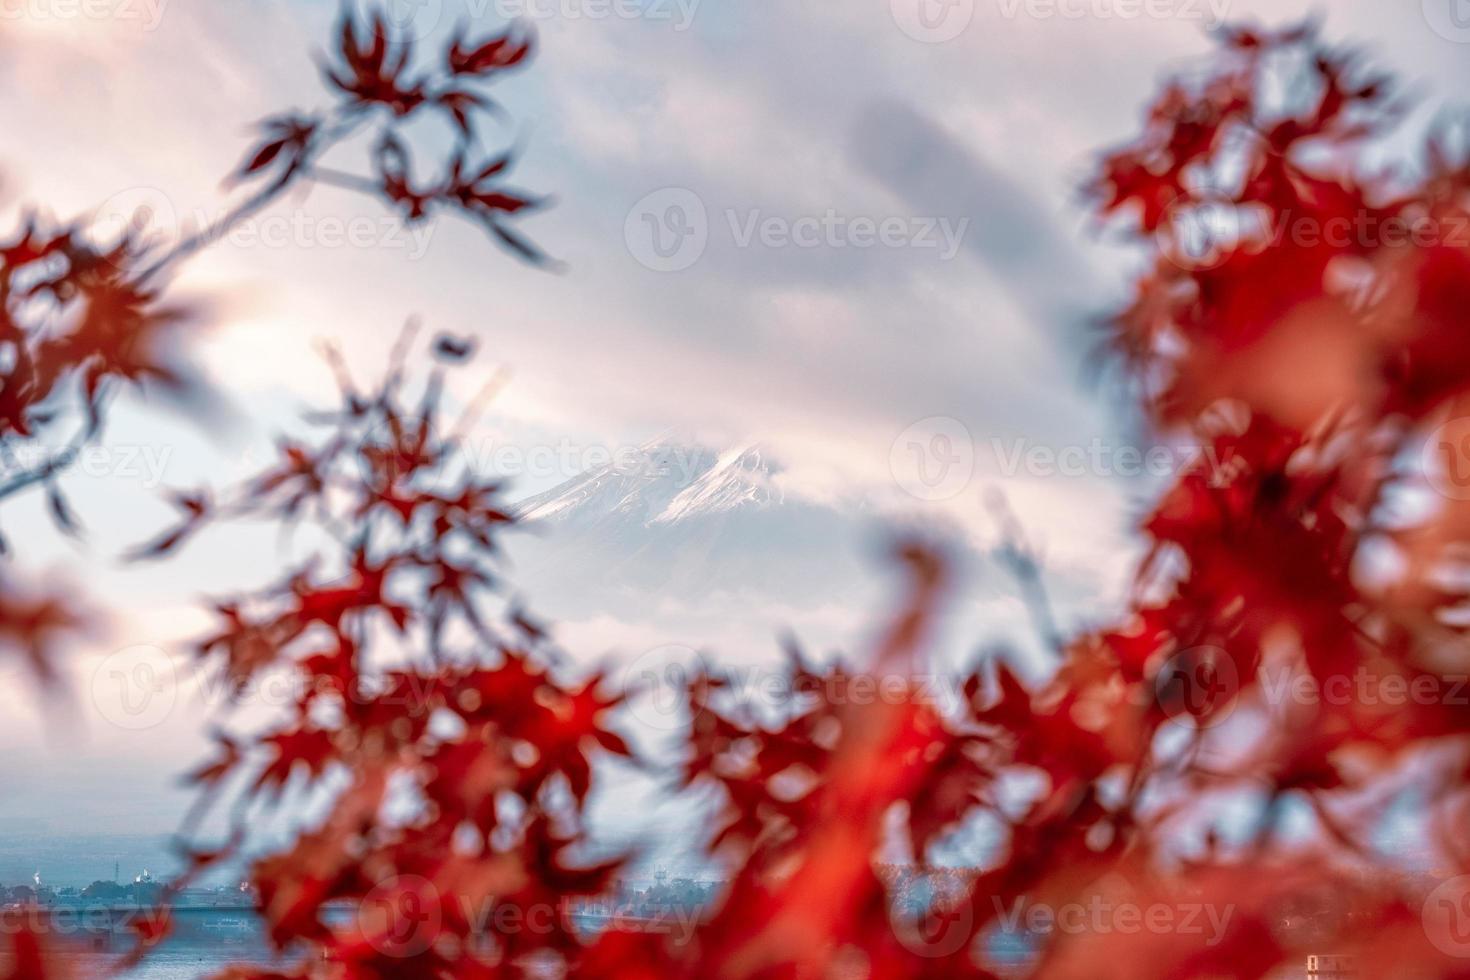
x=841 y=229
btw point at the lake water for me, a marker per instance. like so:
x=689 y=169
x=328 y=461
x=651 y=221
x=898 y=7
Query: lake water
x=174 y=961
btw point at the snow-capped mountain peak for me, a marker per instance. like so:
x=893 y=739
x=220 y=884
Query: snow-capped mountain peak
x=672 y=524
x=738 y=478
x=659 y=483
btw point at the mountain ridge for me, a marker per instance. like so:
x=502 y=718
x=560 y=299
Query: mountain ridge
x=678 y=520
x=663 y=482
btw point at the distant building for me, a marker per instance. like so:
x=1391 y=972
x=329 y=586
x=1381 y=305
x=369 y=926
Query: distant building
x=1331 y=967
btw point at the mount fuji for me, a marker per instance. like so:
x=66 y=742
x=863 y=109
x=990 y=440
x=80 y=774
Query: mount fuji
x=677 y=544
x=684 y=523
x=660 y=483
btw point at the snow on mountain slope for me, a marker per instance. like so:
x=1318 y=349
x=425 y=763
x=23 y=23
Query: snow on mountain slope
x=679 y=524
x=660 y=483
x=737 y=479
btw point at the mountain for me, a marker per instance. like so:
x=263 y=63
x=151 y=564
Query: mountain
x=660 y=483
x=684 y=525
x=680 y=545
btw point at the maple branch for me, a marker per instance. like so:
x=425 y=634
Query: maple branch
x=339 y=178
x=1020 y=558
x=63 y=459
x=213 y=232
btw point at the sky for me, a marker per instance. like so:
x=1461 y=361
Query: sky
x=851 y=232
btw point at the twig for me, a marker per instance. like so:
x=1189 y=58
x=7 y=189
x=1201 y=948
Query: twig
x=1020 y=559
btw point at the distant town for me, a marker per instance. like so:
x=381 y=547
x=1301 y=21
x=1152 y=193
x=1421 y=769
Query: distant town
x=143 y=891
x=223 y=913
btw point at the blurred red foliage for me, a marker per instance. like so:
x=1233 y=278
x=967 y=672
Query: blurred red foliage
x=1141 y=795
